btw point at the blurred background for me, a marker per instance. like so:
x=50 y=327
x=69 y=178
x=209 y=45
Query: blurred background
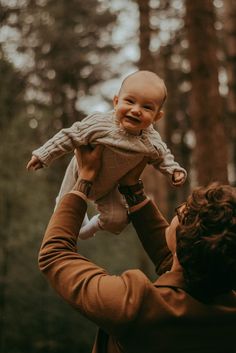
x=63 y=59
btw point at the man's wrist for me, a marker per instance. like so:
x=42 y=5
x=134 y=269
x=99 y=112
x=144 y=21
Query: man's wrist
x=133 y=194
x=83 y=186
x=140 y=205
x=131 y=189
x=80 y=194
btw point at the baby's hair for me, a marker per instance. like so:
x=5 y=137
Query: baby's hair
x=148 y=73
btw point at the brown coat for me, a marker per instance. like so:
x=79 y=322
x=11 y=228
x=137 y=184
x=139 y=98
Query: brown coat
x=134 y=314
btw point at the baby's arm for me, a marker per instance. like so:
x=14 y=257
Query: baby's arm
x=65 y=141
x=178 y=177
x=34 y=163
x=80 y=133
x=166 y=164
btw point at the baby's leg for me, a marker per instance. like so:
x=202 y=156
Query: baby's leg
x=89 y=229
x=69 y=180
x=112 y=216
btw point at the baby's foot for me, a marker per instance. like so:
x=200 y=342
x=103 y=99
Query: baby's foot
x=89 y=229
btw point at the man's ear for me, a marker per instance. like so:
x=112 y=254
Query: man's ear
x=159 y=115
x=115 y=101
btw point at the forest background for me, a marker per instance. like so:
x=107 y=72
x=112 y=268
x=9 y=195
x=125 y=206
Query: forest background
x=60 y=60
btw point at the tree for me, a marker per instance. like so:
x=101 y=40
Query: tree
x=11 y=92
x=178 y=125
x=206 y=109
x=153 y=16
x=146 y=62
x=230 y=48
x=67 y=46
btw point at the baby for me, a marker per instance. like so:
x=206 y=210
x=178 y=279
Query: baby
x=128 y=135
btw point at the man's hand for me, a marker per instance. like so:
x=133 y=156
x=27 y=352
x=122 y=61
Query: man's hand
x=34 y=163
x=132 y=177
x=178 y=178
x=89 y=161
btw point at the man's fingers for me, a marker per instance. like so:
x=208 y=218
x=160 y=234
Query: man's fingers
x=78 y=157
x=89 y=161
x=133 y=175
x=144 y=162
x=87 y=149
x=89 y=153
x=98 y=150
x=140 y=167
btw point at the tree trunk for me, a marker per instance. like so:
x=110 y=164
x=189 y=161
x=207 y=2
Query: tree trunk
x=206 y=103
x=175 y=106
x=230 y=47
x=155 y=183
x=146 y=61
x=4 y=261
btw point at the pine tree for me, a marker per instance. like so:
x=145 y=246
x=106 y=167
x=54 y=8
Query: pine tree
x=206 y=109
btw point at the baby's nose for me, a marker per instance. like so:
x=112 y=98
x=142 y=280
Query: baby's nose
x=136 y=110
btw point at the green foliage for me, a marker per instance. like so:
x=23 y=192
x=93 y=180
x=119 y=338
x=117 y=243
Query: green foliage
x=11 y=93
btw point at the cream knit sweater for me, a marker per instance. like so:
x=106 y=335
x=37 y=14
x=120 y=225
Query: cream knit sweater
x=122 y=153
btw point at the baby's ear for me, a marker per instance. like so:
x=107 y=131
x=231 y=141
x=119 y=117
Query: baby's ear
x=115 y=101
x=159 y=115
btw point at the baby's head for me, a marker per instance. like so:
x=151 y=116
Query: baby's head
x=139 y=101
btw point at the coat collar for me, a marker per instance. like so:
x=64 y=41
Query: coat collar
x=176 y=280
x=171 y=279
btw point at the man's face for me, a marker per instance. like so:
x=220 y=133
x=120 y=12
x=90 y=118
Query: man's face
x=138 y=105
x=171 y=230
x=171 y=234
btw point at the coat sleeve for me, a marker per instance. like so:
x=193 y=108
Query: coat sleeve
x=150 y=226
x=109 y=301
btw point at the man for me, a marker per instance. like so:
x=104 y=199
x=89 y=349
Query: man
x=189 y=308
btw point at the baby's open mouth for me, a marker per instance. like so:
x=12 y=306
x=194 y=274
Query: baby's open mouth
x=133 y=119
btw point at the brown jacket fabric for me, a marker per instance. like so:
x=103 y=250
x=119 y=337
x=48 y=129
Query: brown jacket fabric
x=134 y=314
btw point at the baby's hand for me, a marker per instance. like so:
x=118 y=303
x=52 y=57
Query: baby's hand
x=34 y=163
x=178 y=178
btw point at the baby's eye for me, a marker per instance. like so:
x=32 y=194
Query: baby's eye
x=128 y=100
x=148 y=107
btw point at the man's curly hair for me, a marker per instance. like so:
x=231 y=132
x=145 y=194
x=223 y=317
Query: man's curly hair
x=206 y=241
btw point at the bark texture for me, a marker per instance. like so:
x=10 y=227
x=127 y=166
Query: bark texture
x=206 y=108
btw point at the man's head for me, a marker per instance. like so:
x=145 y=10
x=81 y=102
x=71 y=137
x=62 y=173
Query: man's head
x=205 y=240
x=139 y=101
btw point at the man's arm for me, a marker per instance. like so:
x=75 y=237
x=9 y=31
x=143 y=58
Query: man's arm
x=148 y=221
x=109 y=301
x=102 y=298
x=150 y=226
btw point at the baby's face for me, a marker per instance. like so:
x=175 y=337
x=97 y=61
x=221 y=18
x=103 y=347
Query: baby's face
x=138 y=104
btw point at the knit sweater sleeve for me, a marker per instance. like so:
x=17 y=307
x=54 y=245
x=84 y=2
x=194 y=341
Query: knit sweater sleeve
x=166 y=163
x=66 y=140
